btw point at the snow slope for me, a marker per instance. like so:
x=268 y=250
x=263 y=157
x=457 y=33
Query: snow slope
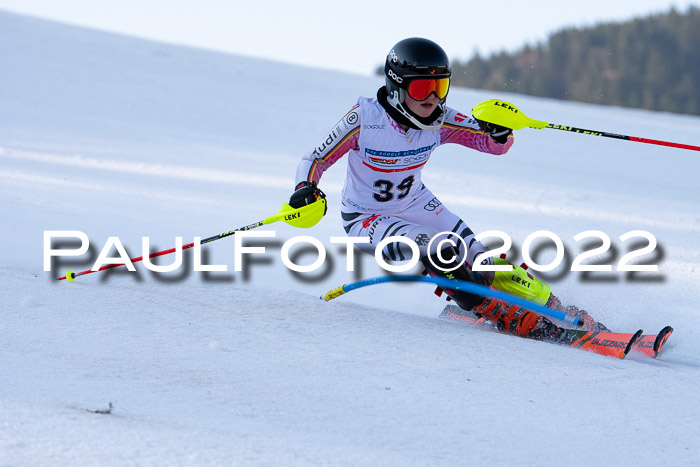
x=114 y=136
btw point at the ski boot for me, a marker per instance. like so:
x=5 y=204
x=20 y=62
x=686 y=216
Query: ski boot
x=545 y=330
x=509 y=318
x=520 y=321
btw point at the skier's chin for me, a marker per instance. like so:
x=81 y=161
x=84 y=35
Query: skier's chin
x=425 y=110
x=428 y=110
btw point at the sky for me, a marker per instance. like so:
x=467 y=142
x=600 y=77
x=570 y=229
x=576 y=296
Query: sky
x=352 y=36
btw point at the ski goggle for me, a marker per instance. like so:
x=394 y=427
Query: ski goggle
x=420 y=89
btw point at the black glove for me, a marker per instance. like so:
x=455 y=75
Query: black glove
x=497 y=133
x=305 y=194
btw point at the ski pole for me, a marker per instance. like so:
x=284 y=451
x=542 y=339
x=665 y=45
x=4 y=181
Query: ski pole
x=303 y=217
x=453 y=284
x=506 y=114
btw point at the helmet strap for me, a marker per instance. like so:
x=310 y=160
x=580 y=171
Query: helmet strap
x=397 y=98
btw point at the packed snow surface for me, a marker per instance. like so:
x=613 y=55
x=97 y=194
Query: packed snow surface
x=118 y=137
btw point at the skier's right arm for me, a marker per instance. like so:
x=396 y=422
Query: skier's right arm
x=343 y=137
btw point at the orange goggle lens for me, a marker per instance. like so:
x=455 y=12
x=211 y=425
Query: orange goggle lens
x=420 y=89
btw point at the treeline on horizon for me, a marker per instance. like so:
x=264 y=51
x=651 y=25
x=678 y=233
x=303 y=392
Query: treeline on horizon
x=651 y=63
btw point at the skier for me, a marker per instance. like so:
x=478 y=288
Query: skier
x=389 y=139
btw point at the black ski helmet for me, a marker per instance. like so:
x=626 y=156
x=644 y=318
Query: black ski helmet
x=409 y=59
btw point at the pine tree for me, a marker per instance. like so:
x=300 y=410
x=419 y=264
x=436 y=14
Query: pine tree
x=651 y=62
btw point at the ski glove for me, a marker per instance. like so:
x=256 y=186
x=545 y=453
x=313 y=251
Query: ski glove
x=497 y=133
x=305 y=194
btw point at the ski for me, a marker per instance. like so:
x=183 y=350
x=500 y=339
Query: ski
x=455 y=313
x=651 y=344
x=613 y=344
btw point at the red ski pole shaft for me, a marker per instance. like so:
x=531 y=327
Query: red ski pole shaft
x=70 y=275
x=623 y=137
x=506 y=114
x=302 y=217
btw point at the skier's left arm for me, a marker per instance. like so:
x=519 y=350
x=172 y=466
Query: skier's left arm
x=482 y=136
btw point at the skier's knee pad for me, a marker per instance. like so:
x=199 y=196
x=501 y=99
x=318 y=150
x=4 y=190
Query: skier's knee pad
x=520 y=283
